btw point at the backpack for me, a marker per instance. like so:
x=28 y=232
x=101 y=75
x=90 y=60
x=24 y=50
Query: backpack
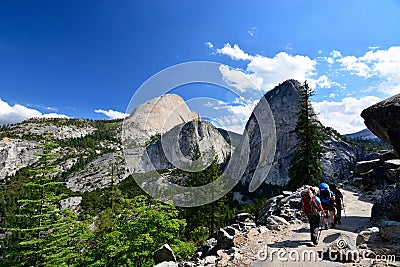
x=309 y=204
x=325 y=193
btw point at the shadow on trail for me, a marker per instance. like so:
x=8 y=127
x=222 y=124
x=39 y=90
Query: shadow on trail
x=353 y=223
x=302 y=230
x=291 y=244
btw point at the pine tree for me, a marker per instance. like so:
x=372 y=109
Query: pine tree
x=305 y=166
x=44 y=235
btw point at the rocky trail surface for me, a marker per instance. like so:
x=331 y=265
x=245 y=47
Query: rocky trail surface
x=295 y=239
x=277 y=237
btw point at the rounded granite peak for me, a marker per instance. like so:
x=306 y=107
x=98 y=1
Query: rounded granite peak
x=161 y=114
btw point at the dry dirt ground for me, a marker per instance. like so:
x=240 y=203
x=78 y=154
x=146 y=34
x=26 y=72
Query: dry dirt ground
x=258 y=250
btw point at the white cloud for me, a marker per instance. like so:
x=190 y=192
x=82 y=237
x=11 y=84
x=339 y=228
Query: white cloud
x=252 y=31
x=18 y=113
x=236 y=113
x=336 y=54
x=268 y=72
x=112 y=114
x=234 y=52
x=332 y=95
x=323 y=82
x=210 y=45
x=229 y=123
x=236 y=79
x=383 y=64
x=356 y=66
x=330 y=60
x=344 y=116
x=54 y=115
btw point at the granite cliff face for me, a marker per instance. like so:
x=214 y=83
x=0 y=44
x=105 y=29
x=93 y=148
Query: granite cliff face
x=163 y=132
x=16 y=154
x=283 y=100
x=178 y=145
x=383 y=120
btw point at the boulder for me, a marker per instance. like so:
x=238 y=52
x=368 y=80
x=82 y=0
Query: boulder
x=369 y=235
x=242 y=217
x=341 y=248
x=357 y=182
x=392 y=170
x=387 y=155
x=383 y=120
x=167 y=264
x=387 y=208
x=392 y=164
x=209 y=247
x=375 y=178
x=186 y=264
x=268 y=209
x=390 y=230
x=164 y=253
x=210 y=260
x=224 y=239
x=365 y=166
x=287 y=207
x=276 y=223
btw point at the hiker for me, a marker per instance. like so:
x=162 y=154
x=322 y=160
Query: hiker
x=311 y=206
x=338 y=201
x=328 y=204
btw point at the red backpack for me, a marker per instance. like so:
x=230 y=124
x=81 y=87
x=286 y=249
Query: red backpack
x=309 y=204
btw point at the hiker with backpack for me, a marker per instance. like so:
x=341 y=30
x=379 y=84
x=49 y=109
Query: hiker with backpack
x=311 y=206
x=338 y=201
x=328 y=204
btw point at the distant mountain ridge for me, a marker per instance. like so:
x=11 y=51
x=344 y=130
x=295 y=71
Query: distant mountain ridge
x=365 y=134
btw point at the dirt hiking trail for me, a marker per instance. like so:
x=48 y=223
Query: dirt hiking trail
x=295 y=238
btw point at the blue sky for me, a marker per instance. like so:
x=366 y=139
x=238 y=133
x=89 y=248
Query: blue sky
x=73 y=58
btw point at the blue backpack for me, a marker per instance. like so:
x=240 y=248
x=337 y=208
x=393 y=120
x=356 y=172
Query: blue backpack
x=325 y=193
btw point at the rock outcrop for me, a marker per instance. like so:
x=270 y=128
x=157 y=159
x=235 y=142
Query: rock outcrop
x=99 y=173
x=64 y=129
x=16 y=154
x=177 y=147
x=383 y=120
x=286 y=206
x=71 y=203
x=164 y=254
x=387 y=208
x=376 y=174
x=283 y=100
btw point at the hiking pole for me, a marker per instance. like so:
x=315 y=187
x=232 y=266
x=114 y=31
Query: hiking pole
x=321 y=219
x=344 y=210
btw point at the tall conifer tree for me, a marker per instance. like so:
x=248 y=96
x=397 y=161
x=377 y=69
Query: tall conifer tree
x=305 y=166
x=44 y=234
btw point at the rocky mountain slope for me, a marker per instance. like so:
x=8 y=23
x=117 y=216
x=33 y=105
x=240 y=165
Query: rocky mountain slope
x=91 y=152
x=90 y=148
x=283 y=99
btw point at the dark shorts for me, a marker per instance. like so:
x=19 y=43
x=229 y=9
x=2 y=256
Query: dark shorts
x=328 y=206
